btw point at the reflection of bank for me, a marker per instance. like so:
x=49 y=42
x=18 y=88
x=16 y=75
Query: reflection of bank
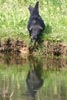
x=34 y=78
x=12 y=59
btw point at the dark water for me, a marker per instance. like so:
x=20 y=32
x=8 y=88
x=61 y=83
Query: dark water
x=32 y=78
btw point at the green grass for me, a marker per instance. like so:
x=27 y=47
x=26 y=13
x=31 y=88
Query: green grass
x=14 y=16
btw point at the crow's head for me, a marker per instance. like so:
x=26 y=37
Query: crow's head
x=35 y=9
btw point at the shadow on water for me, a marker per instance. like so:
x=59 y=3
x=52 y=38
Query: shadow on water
x=34 y=78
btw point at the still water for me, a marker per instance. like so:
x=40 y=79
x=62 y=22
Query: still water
x=32 y=78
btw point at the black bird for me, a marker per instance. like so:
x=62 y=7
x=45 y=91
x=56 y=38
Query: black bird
x=36 y=25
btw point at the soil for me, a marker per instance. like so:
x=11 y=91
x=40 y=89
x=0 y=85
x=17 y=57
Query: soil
x=19 y=46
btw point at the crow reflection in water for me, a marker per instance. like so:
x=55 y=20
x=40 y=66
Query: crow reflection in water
x=34 y=78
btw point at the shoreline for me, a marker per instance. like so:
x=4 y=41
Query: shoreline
x=19 y=46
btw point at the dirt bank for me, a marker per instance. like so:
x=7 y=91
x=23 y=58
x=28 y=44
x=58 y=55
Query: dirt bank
x=55 y=48
x=19 y=46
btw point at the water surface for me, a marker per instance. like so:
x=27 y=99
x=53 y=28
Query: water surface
x=32 y=78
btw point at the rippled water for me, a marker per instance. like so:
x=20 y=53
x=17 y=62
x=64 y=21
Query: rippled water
x=32 y=78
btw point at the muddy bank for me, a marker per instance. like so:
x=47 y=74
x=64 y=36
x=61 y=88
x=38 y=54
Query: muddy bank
x=14 y=46
x=19 y=46
x=55 y=48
